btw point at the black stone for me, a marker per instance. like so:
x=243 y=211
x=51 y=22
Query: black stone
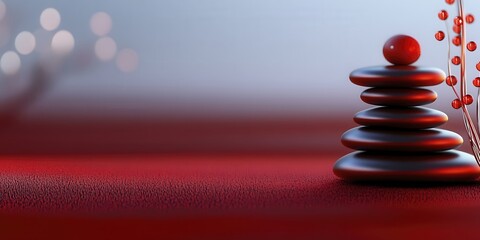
x=437 y=166
x=401 y=117
x=398 y=96
x=405 y=140
x=397 y=76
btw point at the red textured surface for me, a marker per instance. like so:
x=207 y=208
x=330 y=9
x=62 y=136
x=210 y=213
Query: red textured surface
x=219 y=196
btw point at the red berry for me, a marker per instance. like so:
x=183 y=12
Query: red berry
x=456 y=104
x=457 y=29
x=450 y=1
x=451 y=80
x=467 y=99
x=443 y=15
x=440 y=35
x=458 y=21
x=471 y=46
x=457 y=41
x=456 y=60
x=401 y=50
x=478 y=66
x=469 y=18
x=476 y=82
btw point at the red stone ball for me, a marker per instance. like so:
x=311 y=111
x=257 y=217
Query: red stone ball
x=401 y=50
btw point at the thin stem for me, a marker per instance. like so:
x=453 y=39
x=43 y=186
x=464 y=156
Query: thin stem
x=473 y=136
x=469 y=124
x=463 y=75
x=471 y=132
x=449 y=66
x=476 y=108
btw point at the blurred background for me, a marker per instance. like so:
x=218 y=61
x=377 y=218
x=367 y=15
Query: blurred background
x=198 y=76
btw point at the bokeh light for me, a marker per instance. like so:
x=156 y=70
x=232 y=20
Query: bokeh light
x=101 y=24
x=50 y=19
x=10 y=63
x=105 y=48
x=25 y=42
x=63 y=42
x=127 y=60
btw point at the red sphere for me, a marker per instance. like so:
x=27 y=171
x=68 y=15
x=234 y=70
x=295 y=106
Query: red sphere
x=456 y=104
x=451 y=80
x=457 y=29
x=472 y=46
x=470 y=18
x=401 y=50
x=457 y=41
x=476 y=82
x=443 y=15
x=458 y=21
x=440 y=36
x=456 y=60
x=467 y=99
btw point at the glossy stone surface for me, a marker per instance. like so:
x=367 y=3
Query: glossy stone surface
x=397 y=76
x=401 y=117
x=406 y=140
x=401 y=50
x=398 y=96
x=437 y=166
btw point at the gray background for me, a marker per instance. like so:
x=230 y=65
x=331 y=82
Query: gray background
x=233 y=57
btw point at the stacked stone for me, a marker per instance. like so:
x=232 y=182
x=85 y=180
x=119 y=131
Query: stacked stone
x=399 y=140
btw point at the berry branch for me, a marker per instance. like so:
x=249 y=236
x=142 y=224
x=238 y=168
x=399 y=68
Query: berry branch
x=463 y=99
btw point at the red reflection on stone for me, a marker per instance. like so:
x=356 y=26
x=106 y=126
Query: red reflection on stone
x=397 y=76
x=400 y=140
x=392 y=96
x=398 y=117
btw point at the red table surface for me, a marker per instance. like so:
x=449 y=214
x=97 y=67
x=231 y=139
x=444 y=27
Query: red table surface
x=227 y=196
